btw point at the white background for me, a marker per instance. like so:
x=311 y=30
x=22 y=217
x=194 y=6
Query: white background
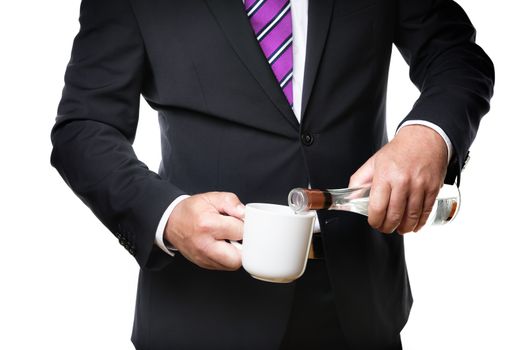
x=65 y=282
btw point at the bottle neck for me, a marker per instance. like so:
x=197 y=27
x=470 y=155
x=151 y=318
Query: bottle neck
x=318 y=199
x=302 y=199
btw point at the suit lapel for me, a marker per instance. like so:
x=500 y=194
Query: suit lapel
x=231 y=16
x=319 y=17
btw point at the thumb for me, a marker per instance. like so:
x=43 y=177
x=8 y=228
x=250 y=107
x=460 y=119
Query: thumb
x=364 y=175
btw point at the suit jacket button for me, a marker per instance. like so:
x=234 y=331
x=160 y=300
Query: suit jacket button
x=307 y=139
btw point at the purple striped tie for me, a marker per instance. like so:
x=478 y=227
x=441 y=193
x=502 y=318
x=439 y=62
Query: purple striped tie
x=272 y=23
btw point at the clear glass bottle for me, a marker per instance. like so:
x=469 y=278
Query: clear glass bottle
x=356 y=200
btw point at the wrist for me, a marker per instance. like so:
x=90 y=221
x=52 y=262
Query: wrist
x=160 y=237
x=425 y=145
x=424 y=136
x=435 y=128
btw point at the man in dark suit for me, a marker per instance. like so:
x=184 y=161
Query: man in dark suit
x=244 y=119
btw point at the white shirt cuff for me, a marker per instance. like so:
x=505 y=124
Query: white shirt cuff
x=159 y=235
x=434 y=127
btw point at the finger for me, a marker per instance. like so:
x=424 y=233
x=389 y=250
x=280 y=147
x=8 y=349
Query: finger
x=413 y=212
x=378 y=204
x=228 y=227
x=395 y=210
x=226 y=203
x=225 y=255
x=428 y=204
x=206 y=253
x=364 y=175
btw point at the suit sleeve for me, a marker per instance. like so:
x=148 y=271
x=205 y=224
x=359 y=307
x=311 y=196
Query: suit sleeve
x=95 y=127
x=454 y=75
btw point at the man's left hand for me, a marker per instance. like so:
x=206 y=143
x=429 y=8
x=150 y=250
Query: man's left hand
x=405 y=175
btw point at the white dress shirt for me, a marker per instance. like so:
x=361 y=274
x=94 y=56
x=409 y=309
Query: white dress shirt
x=300 y=32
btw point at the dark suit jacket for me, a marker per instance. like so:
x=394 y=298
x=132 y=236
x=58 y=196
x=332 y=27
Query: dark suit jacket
x=226 y=126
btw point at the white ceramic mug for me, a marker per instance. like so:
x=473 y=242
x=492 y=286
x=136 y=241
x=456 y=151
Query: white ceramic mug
x=276 y=242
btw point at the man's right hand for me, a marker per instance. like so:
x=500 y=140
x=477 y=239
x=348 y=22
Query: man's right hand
x=200 y=225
